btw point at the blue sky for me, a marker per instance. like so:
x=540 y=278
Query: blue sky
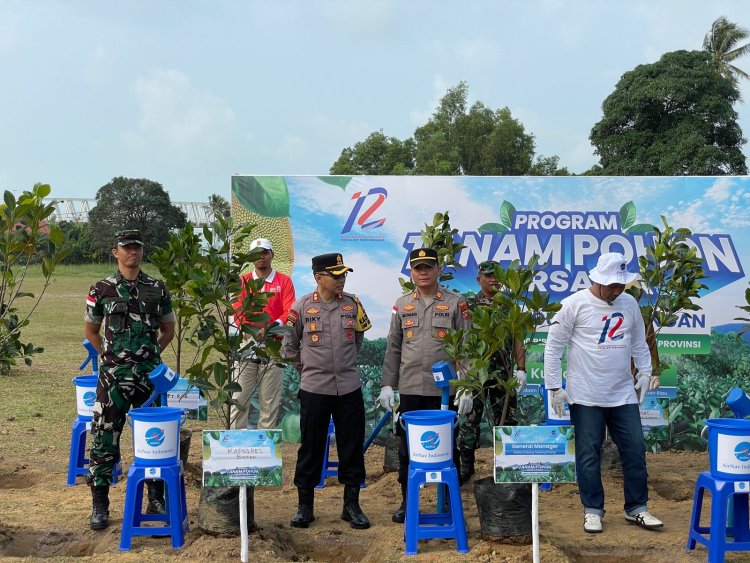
x=187 y=93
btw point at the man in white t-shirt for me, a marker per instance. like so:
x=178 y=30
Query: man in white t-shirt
x=603 y=330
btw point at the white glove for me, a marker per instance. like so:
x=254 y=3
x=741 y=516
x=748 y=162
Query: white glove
x=643 y=384
x=386 y=397
x=464 y=402
x=521 y=377
x=559 y=398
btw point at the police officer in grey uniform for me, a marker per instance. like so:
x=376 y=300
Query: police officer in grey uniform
x=419 y=324
x=327 y=329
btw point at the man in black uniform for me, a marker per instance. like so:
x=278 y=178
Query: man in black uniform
x=327 y=329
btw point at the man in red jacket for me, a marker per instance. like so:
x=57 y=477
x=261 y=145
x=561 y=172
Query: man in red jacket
x=256 y=373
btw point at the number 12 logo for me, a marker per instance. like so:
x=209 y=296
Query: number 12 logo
x=611 y=333
x=361 y=220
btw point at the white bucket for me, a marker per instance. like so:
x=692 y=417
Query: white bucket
x=85 y=395
x=429 y=434
x=156 y=435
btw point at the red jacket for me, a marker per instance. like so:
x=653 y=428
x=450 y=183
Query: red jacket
x=279 y=304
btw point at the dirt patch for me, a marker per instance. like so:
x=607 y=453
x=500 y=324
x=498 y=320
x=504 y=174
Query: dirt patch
x=40 y=518
x=20 y=478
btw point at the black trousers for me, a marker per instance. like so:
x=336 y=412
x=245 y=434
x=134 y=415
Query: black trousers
x=418 y=403
x=348 y=413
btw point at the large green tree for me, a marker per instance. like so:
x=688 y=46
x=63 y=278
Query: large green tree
x=376 y=155
x=130 y=203
x=456 y=140
x=673 y=117
x=722 y=42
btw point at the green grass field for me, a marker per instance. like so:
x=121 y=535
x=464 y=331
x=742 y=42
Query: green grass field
x=37 y=403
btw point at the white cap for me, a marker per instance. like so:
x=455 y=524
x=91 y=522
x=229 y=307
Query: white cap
x=261 y=243
x=612 y=268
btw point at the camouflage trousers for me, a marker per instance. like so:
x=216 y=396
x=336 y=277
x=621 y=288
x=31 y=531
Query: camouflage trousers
x=469 y=431
x=116 y=392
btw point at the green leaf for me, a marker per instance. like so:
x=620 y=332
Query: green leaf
x=640 y=228
x=627 y=216
x=265 y=195
x=492 y=228
x=507 y=211
x=338 y=181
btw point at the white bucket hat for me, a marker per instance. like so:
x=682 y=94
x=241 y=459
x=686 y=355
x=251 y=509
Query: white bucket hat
x=612 y=268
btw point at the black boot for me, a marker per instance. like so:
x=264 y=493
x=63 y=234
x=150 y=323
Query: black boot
x=352 y=512
x=400 y=515
x=155 y=497
x=100 y=512
x=467 y=465
x=304 y=514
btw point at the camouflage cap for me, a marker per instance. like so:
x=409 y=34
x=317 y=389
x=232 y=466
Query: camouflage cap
x=487 y=267
x=129 y=236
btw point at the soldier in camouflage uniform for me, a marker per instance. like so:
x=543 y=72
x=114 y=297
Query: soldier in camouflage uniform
x=469 y=431
x=136 y=311
x=326 y=332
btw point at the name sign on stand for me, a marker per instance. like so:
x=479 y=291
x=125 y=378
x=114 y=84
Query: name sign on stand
x=189 y=399
x=241 y=458
x=534 y=454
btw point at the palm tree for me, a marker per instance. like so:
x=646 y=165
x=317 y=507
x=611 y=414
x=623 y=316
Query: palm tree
x=722 y=43
x=218 y=206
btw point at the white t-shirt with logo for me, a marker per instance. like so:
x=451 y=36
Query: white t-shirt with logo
x=601 y=340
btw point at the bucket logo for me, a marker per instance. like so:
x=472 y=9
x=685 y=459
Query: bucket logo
x=611 y=332
x=430 y=440
x=155 y=437
x=89 y=398
x=360 y=215
x=742 y=451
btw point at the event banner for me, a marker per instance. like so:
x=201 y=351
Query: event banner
x=375 y=221
x=241 y=458
x=535 y=454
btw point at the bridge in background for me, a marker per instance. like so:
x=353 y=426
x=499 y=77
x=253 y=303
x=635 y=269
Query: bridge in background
x=76 y=210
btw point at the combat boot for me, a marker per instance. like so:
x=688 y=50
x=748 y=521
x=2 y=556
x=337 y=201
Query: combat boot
x=400 y=515
x=100 y=511
x=304 y=514
x=467 y=465
x=352 y=512
x=155 y=497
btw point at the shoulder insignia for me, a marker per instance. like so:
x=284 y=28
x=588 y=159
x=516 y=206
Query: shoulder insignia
x=409 y=307
x=464 y=307
x=438 y=295
x=395 y=310
x=414 y=295
x=442 y=307
x=315 y=297
x=312 y=311
x=291 y=318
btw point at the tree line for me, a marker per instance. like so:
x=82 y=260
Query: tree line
x=673 y=117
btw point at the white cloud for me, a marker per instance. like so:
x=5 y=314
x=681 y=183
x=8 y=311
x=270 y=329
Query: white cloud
x=719 y=191
x=177 y=121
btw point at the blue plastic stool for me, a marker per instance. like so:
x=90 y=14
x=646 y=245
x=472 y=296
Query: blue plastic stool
x=722 y=491
x=78 y=463
x=176 y=518
x=330 y=468
x=450 y=524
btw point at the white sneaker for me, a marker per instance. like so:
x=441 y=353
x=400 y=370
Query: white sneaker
x=592 y=523
x=645 y=520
